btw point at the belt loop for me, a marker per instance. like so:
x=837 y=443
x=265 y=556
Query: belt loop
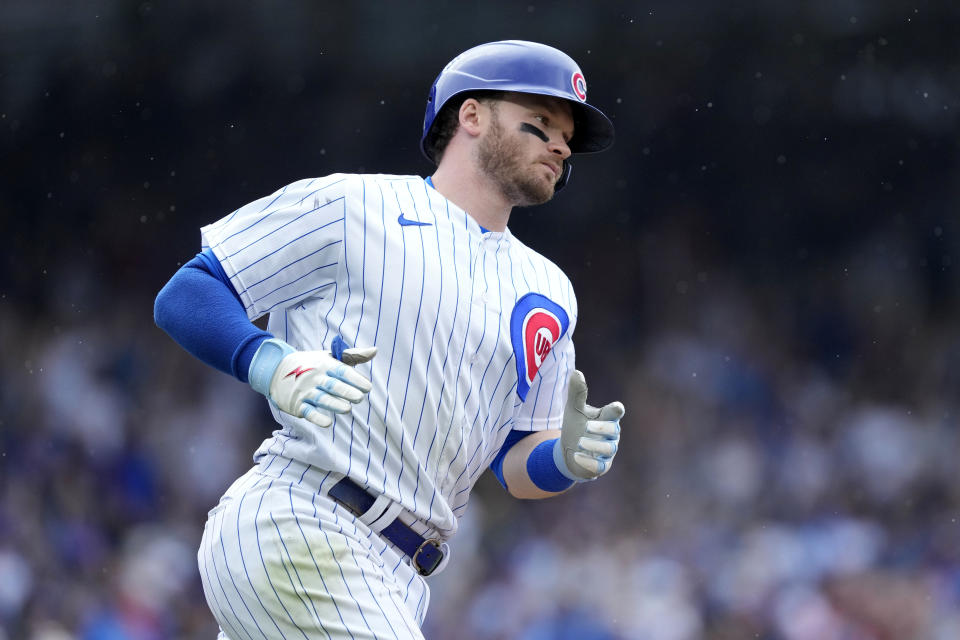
x=382 y=513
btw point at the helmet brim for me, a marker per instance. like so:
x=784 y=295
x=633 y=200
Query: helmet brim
x=592 y=129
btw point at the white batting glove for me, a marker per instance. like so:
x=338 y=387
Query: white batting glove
x=309 y=384
x=589 y=438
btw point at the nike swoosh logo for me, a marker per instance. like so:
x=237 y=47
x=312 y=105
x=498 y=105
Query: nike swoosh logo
x=404 y=222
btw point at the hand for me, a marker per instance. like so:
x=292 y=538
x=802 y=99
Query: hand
x=310 y=384
x=589 y=437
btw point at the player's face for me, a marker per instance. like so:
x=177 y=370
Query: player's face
x=524 y=148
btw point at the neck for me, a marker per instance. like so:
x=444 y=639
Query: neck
x=473 y=192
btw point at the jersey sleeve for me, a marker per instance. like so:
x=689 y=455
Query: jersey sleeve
x=543 y=407
x=284 y=247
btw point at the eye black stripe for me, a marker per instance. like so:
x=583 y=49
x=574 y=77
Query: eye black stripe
x=529 y=128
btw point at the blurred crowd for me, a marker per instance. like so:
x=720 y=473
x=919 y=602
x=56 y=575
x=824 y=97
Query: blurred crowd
x=759 y=492
x=766 y=264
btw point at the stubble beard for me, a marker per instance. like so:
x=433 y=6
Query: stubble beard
x=499 y=158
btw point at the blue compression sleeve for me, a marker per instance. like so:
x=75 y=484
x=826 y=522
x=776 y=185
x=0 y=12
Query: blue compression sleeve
x=540 y=466
x=199 y=308
x=497 y=465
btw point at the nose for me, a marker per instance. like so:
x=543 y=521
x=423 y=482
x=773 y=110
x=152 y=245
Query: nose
x=559 y=147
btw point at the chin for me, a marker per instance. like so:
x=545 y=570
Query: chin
x=525 y=189
x=534 y=193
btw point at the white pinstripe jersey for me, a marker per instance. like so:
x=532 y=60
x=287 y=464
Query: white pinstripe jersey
x=473 y=329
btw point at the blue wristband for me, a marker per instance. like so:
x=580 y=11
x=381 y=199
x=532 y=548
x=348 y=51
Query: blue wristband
x=543 y=470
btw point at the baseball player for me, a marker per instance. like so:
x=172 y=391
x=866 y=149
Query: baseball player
x=412 y=343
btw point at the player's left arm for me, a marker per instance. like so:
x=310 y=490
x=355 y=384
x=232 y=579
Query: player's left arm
x=542 y=481
x=546 y=463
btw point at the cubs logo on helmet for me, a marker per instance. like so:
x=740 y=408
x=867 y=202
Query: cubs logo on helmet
x=536 y=324
x=579 y=84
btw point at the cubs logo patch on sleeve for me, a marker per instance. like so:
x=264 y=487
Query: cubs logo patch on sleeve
x=536 y=324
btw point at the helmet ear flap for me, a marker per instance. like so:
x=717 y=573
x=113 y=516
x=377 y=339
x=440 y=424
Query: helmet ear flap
x=431 y=114
x=564 y=176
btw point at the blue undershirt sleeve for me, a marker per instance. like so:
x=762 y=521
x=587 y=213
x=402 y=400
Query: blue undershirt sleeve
x=497 y=465
x=202 y=312
x=540 y=465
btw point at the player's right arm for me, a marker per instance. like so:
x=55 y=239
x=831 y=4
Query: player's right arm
x=264 y=255
x=200 y=310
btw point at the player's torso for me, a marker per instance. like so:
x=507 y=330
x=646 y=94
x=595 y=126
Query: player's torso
x=423 y=282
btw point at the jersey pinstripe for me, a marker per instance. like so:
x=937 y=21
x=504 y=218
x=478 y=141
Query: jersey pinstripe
x=388 y=261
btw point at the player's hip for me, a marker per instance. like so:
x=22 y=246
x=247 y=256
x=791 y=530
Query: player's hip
x=275 y=538
x=276 y=583
x=280 y=497
x=277 y=501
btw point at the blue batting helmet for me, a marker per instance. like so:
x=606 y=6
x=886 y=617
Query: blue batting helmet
x=522 y=67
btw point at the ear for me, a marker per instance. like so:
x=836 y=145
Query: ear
x=471 y=116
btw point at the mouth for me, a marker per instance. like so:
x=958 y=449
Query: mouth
x=554 y=169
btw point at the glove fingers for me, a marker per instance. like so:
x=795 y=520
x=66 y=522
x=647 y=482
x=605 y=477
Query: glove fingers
x=604 y=429
x=358 y=355
x=340 y=389
x=611 y=412
x=595 y=466
x=603 y=448
x=319 y=418
x=323 y=400
x=348 y=375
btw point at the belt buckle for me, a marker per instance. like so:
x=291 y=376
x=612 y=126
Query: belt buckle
x=432 y=554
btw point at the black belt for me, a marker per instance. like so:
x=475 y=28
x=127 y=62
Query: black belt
x=426 y=554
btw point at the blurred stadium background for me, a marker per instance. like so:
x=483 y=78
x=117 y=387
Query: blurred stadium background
x=767 y=266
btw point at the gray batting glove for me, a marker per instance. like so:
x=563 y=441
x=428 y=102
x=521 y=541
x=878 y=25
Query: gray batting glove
x=309 y=384
x=590 y=436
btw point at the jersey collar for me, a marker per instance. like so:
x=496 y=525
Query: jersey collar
x=429 y=181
